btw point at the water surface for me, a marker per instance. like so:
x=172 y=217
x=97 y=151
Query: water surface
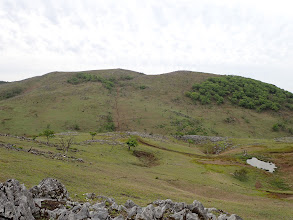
x=268 y=166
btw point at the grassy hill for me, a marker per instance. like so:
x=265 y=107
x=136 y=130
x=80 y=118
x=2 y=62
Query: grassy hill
x=122 y=100
x=112 y=102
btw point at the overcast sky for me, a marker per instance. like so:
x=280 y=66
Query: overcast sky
x=247 y=38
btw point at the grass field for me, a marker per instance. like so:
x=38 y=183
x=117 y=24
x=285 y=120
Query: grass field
x=167 y=168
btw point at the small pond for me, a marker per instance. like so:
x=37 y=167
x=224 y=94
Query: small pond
x=261 y=164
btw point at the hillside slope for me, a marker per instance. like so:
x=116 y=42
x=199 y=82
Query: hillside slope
x=123 y=100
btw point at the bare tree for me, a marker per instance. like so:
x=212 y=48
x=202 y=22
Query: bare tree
x=65 y=143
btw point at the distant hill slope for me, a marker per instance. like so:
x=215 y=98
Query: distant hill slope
x=123 y=100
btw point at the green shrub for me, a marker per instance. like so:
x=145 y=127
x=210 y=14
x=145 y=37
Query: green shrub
x=229 y=120
x=241 y=175
x=109 y=124
x=188 y=126
x=93 y=134
x=126 y=77
x=10 y=93
x=289 y=106
x=276 y=127
x=76 y=127
x=48 y=133
x=280 y=184
x=74 y=81
x=108 y=84
x=86 y=77
x=132 y=142
x=279 y=126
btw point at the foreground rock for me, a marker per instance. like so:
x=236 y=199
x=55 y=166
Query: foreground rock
x=50 y=189
x=50 y=200
x=16 y=201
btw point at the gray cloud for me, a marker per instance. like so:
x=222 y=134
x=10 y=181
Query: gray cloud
x=226 y=37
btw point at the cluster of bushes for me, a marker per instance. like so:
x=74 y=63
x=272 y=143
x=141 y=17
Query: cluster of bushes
x=188 y=126
x=244 y=92
x=241 y=174
x=9 y=93
x=109 y=83
x=126 y=77
x=109 y=125
x=281 y=127
x=86 y=77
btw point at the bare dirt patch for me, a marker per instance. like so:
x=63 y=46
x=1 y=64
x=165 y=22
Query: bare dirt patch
x=148 y=159
x=280 y=195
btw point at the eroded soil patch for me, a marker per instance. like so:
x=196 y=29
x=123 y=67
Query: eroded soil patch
x=148 y=159
x=280 y=195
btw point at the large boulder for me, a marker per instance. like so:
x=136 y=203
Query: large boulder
x=179 y=215
x=147 y=213
x=198 y=208
x=129 y=204
x=16 y=202
x=50 y=189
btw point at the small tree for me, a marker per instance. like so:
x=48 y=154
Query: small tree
x=65 y=143
x=48 y=134
x=93 y=134
x=132 y=142
x=190 y=142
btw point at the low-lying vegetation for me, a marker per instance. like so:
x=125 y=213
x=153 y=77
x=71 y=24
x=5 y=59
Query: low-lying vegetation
x=188 y=126
x=241 y=174
x=10 y=93
x=86 y=77
x=108 y=83
x=280 y=184
x=244 y=92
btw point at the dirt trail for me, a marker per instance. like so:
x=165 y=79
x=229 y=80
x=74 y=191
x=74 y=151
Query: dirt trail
x=116 y=108
x=208 y=159
x=166 y=149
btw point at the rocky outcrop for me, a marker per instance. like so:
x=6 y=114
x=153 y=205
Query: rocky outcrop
x=47 y=154
x=50 y=200
x=16 y=202
x=201 y=139
x=50 y=189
